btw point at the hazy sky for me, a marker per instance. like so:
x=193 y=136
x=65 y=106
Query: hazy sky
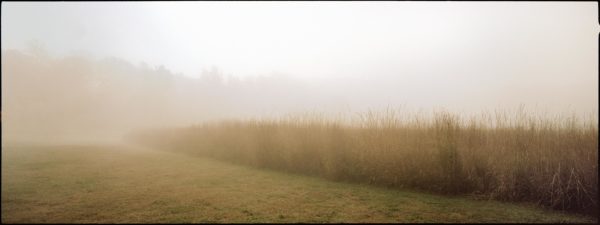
x=547 y=51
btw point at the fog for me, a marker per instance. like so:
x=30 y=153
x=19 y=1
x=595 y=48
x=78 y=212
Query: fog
x=100 y=70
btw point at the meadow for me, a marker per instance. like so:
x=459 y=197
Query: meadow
x=117 y=183
x=516 y=156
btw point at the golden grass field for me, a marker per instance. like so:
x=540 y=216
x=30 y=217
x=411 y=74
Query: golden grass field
x=128 y=184
x=516 y=156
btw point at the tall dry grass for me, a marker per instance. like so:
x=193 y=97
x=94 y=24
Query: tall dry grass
x=513 y=156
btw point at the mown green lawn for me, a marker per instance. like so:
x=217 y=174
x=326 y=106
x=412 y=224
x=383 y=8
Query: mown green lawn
x=124 y=184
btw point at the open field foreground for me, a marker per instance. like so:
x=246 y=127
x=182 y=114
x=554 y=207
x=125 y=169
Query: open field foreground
x=125 y=184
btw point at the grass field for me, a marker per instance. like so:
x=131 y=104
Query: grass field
x=550 y=160
x=126 y=184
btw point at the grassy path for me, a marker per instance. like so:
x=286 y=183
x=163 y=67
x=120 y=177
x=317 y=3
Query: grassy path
x=117 y=184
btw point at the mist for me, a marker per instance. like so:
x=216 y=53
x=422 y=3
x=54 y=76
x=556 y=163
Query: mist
x=83 y=71
x=296 y=112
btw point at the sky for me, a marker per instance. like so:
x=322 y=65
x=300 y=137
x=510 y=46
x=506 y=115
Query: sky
x=467 y=54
